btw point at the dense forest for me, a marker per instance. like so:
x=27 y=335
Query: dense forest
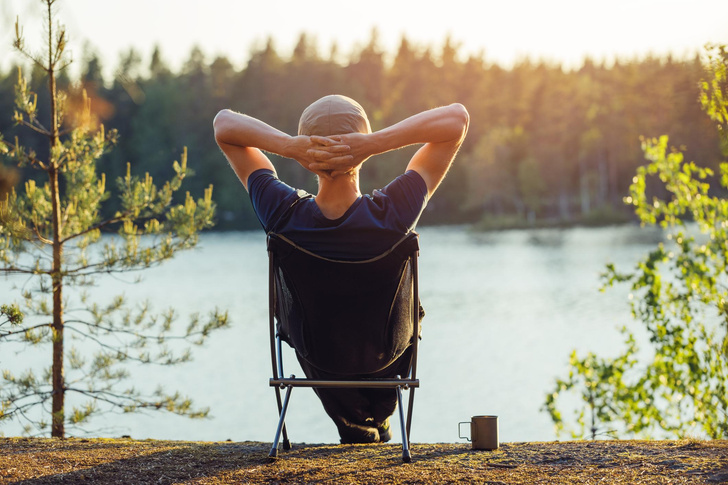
x=545 y=144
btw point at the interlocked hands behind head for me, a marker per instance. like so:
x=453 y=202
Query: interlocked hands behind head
x=332 y=156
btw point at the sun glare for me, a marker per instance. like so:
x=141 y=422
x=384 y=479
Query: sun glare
x=558 y=31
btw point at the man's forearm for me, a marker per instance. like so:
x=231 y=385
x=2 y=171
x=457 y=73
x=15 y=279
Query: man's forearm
x=439 y=125
x=244 y=131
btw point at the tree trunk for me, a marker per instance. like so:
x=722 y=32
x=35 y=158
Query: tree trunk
x=57 y=427
x=57 y=377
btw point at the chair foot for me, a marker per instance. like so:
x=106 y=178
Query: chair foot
x=406 y=456
x=281 y=427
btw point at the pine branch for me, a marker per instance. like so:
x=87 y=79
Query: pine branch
x=16 y=270
x=20 y=47
x=106 y=346
x=134 y=334
x=124 y=401
x=65 y=65
x=37 y=126
x=121 y=401
x=44 y=394
x=40 y=237
x=21 y=409
x=97 y=393
x=95 y=227
x=23 y=330
x=24 y=157
x=79 y=272
x=116 y=400
x=126 y=356
x=126 y=215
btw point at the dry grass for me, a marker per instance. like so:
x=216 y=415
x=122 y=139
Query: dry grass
x=125 y=461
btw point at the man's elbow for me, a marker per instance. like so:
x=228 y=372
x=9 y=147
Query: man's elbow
x=461 y=117
x=220 y=124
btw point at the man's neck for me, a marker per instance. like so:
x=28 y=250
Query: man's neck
x=336 y=196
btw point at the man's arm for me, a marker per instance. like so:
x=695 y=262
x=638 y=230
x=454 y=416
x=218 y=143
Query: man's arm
x=243 y=140
x=442 y=130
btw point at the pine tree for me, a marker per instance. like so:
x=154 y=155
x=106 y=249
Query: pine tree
x=51 y=232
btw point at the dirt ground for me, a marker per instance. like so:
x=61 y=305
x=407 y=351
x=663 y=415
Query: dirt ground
x=126 y=461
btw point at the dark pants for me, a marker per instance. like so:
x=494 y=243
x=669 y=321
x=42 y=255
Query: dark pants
x=360 y=414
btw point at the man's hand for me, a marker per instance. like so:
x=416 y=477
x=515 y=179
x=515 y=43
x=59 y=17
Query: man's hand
x=310 y=151
x=340 y=154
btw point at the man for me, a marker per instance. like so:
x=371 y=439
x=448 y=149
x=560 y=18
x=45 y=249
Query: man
x=334 y=140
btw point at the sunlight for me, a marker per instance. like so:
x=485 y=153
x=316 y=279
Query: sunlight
x=559 y=31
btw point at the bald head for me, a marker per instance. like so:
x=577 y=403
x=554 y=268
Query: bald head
x=333 y=115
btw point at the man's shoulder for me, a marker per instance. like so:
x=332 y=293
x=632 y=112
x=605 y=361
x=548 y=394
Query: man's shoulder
x=271 y=197
x=410 y=179
x=261 y=174
x=409 y=188
x=267 y=180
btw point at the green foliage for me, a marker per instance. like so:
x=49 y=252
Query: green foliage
x=714 y=93
x=494 y=167
x=51 y=231
x=11 y=314
x=578 y=126
x=680 y=296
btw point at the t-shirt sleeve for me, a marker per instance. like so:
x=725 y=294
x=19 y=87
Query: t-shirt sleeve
x=408 y=193
x=270 y=197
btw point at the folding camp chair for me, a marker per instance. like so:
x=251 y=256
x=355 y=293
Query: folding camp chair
x=348 y=318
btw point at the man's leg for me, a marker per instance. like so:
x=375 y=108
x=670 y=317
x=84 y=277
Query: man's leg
x=348 y=408
x=361 y=415
x=384 y=401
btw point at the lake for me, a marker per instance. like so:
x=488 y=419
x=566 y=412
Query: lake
x=504 y=311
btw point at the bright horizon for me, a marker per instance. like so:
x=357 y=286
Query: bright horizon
x=558 y=31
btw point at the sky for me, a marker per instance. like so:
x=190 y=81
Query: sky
x=505 y=31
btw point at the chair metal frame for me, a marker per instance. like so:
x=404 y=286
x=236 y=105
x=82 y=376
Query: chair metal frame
x=399 y=383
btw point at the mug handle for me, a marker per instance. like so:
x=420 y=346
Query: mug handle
x=460 y=433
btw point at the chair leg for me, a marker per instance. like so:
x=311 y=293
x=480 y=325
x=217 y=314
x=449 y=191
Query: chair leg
x=281 y=426
x=279 y=360
x=409 y=410
x=286 y=443
x=279 y=402
x=406 y=455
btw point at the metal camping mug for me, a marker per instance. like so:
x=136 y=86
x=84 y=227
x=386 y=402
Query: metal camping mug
x=483 y=432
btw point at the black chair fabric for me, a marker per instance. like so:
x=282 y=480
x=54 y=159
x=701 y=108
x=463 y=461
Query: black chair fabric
x=348 y=318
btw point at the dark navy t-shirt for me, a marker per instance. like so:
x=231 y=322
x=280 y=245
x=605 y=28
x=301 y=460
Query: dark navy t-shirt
x=369 y=227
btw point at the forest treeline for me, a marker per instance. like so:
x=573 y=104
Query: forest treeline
x=545 y=144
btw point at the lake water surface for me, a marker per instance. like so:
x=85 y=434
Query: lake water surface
x=504 y=310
